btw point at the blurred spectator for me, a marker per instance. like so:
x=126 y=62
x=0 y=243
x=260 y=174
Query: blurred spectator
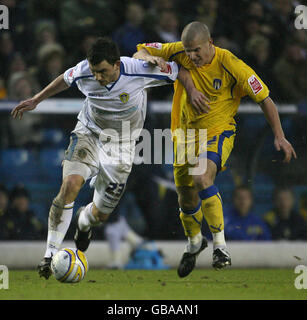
x=258 y=56
x=22 y=220
x=4 y=200
x=38 y=10
x=17 y=63
x=80 y=53
x=283 y=220
x=45 y=33
x=79 y=17
x=7 y=50
x=282 y=24
x=250 y=26
x=21 y=86
x=133 y=31
x=290 y=73
x=115 y=233
x=4 y=224
x=257 y=10
x=300 y=36
x=303 y=207
x=51 y=63
x=241 y=223
x=167 y=27
x=3 y=91
x=207 y=12
x=157 y=6
x=18 y=23
x=226 y=43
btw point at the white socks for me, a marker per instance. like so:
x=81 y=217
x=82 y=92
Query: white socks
x=219 y=240
x=194 y=243
x=57 y=233
x=86 y=219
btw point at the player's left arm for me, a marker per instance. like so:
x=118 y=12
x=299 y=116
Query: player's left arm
x=281 y=143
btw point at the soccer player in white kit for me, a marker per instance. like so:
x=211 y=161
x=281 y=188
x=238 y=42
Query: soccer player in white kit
x=115 y=93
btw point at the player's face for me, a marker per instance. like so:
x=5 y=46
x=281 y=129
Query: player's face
x=243 y=202
x=105 y=72
x=199 y=52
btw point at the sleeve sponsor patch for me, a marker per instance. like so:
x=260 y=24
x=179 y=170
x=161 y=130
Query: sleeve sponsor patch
x=156 y=45
x=255 y=84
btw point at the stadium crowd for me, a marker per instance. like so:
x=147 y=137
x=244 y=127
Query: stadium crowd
x=262 y=32
x=47 y=37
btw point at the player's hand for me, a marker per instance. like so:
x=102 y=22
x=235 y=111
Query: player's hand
x=283 y=144
x=26 y=105
x=158 y=61
x=199 y=101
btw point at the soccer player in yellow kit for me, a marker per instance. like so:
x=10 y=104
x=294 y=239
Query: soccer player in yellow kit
x=221 y=80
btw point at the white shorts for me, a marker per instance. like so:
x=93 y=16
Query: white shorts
x=107 y=163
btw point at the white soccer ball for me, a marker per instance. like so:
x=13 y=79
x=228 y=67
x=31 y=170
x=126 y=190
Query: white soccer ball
x=69 y=265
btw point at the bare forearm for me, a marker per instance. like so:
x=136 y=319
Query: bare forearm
x=142 y=54
x=186 y=80
x=54 y=87
x=271 y=114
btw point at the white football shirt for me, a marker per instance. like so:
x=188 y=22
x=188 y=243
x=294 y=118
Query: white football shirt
x=106 y=107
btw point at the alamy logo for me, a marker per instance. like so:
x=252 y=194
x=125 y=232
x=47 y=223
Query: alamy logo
x=301 y=19
x=300 y=281
x=4 y=17
x=4 y=277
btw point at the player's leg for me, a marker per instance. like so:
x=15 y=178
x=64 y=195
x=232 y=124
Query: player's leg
x=191 y=218
x=212 y=207
x=216 y=155
x=60 y=215
x=87 y=217
x=109 y=187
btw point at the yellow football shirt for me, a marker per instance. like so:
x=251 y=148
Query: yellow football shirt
x=224 y=81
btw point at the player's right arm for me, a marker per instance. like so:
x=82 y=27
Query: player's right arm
x=54 y=87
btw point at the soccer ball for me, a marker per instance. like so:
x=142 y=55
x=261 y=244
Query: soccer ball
x=69 y=265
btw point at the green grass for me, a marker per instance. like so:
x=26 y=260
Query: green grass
x=205 y=284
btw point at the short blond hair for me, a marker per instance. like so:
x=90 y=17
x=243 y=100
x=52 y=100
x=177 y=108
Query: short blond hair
x=195 y=30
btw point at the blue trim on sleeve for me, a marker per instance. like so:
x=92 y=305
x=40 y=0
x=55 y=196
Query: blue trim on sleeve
x=208 y=193
x=81 y=77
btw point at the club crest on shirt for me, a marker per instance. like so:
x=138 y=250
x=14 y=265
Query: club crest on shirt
x=124 y=97
x=217 y=83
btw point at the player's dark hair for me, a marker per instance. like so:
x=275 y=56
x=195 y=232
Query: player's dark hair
x=103 y=49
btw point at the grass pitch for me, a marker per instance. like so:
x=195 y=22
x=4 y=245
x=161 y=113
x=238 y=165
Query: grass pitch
x=201 y=284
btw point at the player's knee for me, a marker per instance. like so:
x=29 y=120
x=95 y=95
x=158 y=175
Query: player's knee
x=202 y=182
x=205 y=180
x=70 y=188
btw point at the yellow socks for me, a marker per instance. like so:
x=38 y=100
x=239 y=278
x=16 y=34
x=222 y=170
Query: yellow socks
x=212 y=207
x=191 y=221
